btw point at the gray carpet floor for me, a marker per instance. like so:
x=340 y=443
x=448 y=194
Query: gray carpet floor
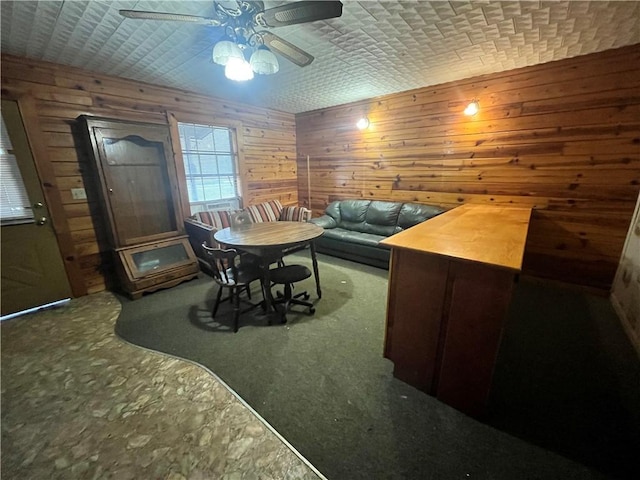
x=565 y=402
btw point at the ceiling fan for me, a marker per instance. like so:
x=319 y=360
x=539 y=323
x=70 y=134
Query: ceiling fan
x=242 y=25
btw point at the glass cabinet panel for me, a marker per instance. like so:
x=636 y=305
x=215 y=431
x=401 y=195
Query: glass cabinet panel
x=157 y=257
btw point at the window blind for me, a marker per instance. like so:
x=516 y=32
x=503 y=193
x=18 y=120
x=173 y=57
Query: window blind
x=14 y=202
x=210 y=157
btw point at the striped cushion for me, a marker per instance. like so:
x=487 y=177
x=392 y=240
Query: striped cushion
x=265 y=212
x=295 y=214
x=217 y=219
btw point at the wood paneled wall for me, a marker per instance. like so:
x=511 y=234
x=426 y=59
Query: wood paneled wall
x=53 y=96
x=563 y=137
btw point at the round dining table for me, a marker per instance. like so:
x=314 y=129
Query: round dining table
x=270 y=241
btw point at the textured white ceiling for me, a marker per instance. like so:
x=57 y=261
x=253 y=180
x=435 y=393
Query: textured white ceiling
x=375 y=48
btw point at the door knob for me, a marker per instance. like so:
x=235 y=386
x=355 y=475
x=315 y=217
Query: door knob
x=41 y=220
x=38 y=205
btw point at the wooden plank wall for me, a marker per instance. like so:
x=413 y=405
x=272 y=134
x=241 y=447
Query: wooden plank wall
x=563 y=137
x=59 y=94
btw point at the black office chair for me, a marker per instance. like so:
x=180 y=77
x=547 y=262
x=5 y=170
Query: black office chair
x=237 y=278
x=288 y=275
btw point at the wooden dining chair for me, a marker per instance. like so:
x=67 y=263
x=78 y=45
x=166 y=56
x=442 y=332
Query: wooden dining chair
x=240 y=218
x=287 y=276
x=229 y=274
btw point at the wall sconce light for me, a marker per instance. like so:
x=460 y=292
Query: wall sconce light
x=472 y=108
x=363 y=123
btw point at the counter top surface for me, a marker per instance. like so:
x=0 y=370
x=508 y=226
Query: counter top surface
x=489 y=234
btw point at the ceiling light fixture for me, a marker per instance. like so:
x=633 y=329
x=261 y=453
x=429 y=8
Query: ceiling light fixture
x=239 y=38
x=231 y=51
x=238 y=69
x=224 y=50
x=363 y=123
x=263 y=61
x=472 y=108
x=238 y=21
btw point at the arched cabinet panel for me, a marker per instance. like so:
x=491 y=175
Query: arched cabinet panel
x=139 y=194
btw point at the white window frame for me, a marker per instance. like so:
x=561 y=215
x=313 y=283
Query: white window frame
x=173 y=118
x=207 y=158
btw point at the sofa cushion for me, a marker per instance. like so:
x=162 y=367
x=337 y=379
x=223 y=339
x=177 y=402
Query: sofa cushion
x=413 y=213
x=350 y=236
x=295 y=214
x=381 y=218
x=217 y=219
x=265 y=212
x=353 y=213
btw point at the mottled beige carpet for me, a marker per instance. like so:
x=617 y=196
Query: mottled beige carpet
x=80 y=403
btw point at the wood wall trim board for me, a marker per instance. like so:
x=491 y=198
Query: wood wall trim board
x=80 y=209
x=622 y=60
x=435 y=127
x=61 y=94
x=562 y=138
x=602 y=82
x=72 y=78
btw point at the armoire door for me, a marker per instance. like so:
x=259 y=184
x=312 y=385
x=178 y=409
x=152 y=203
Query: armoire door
x=33 y=272
x=139 y=190
x=138 y=181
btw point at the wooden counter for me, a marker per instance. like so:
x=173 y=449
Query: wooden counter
x=450 y=283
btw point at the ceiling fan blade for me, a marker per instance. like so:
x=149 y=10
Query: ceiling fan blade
x=286 y=49
x=300 y=12
x=171 y=17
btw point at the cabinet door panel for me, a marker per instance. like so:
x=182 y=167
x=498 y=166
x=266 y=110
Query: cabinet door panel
x=138 y=185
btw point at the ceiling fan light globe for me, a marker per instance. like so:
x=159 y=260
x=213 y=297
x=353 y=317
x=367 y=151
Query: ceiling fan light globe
x=225 y=50
x=238 y=69
x=264 y=62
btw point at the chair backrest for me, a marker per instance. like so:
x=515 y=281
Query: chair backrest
x=240 y=218
x=223 y=265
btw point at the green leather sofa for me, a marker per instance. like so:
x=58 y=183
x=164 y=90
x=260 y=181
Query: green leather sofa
x=354 y=228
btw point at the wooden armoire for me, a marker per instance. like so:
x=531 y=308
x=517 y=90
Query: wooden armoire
x=139 y=195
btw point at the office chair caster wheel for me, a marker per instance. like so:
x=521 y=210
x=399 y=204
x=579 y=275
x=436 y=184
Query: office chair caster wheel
x=306 y=296
x=312 y=311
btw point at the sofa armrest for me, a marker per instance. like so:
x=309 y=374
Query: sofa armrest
x=218 y=219
x=199 y=233
x=295 y=214
x=325 y=221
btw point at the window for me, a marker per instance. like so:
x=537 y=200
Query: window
x=14 y=202
x=210 y=161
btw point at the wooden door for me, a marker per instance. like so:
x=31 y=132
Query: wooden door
x=33 y=272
